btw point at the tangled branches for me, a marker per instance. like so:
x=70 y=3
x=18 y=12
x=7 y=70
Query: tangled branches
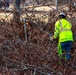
x=37 y=55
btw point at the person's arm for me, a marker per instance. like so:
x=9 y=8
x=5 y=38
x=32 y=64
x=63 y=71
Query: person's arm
x=56 y=32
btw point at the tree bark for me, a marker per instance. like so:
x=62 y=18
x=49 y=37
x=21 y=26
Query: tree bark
x=16 y=15
x=56 y=2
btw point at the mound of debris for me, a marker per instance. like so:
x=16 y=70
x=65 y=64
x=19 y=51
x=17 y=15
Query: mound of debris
x=36 y=55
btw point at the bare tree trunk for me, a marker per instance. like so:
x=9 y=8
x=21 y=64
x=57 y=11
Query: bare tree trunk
x=16 y=16
x=56 y=2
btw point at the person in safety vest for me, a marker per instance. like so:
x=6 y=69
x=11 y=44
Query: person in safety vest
x=63 y=30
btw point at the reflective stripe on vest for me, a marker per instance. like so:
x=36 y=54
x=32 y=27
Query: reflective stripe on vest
x=63 y=29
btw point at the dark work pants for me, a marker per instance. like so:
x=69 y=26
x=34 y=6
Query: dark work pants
x=66 y=47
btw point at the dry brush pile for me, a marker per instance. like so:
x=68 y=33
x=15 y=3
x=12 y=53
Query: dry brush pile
x=35 y=56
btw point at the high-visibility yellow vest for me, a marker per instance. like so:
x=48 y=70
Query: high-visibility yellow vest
x=63 y=30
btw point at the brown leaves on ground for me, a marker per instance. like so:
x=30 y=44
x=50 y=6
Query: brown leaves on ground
x=18 y=57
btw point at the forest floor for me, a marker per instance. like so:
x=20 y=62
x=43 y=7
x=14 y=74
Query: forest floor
x=35 y=55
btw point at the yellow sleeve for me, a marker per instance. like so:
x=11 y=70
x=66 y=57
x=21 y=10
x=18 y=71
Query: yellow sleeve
x=56 y=32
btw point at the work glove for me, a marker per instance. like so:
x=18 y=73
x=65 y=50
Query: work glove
x=51 y=38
